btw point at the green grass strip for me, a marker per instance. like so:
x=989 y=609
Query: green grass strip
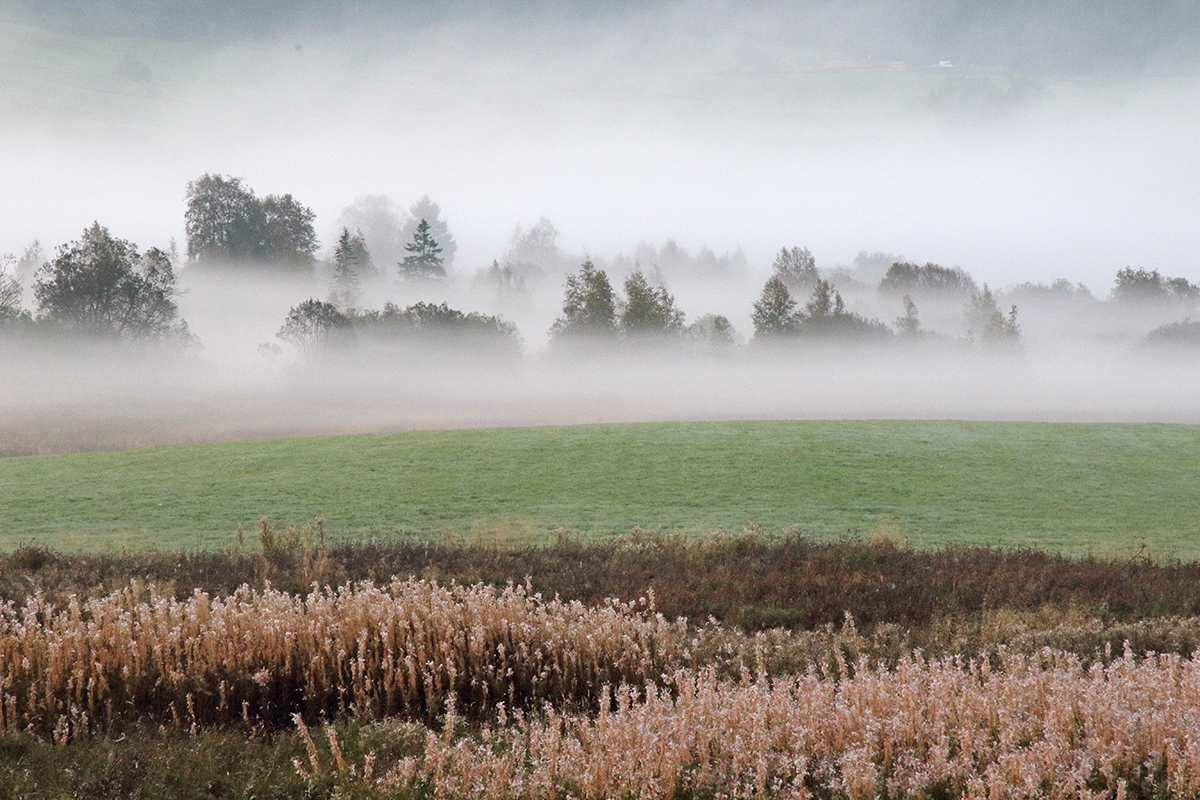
x=1072 y=488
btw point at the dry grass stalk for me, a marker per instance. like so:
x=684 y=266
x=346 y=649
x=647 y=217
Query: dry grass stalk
x=1042 y=726
x=261 y=656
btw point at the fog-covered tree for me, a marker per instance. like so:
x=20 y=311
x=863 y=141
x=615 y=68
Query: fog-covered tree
x=429 y=211
x=825 y=316
x=797 y=268
x=987 y=324
x=712 y=329
x=536 y=245
x=507 y=279
x=774 y=312
x=1149 y=286
x=1182 y=336
x=288 y=236
x=12 y=312
x=225 y=223
x=428 y=321
x=534 y=252
x=648 y=310
x=424 y=260
x=908 y=278
x=31 y=259
x=312 y=325
x=381 y=223
x=589 y=305
x=100 y=286
x=1058 y=289
x=909 y=324
x=351 y=259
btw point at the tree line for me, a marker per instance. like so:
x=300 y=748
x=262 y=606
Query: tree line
x=101 y=286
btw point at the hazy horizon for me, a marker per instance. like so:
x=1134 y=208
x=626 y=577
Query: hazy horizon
x=755 y=127
x=1057 y=141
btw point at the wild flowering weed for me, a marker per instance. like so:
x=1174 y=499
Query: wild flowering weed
x=1040 y=726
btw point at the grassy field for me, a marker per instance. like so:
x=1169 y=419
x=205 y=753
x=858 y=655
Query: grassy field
x=1071 y=488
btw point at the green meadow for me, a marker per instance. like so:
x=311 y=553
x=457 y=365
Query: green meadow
x=1103 y=489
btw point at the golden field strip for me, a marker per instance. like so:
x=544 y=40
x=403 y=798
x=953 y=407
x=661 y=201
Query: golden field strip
x=527 y=697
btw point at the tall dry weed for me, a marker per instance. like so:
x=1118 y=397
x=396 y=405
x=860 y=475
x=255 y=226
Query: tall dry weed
x=1040 y=726
x=260 y=656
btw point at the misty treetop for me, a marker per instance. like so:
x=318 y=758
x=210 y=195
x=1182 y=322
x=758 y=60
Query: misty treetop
x=227 y=225
x=774 y=312
x=593 y=312
x=796 y=268
x=312 y=326
x=424 y=260
x=824 y=316
x=648 y=311
x=1133 y=286
x=351 y=262
x=100 y=286
x=316 y=326
x=907 y=278
x=589 y=306
x=988 y=325
x=429 y=212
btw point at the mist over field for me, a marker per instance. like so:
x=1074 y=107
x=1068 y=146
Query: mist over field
x=1023 y=143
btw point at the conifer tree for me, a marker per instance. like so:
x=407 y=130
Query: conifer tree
x=589 y=305
x=351 y=260
x=424 y=259
x=648 y=310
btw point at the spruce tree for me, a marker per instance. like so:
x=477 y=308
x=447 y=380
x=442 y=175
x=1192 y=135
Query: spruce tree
x=424 y=259
x=350 y=261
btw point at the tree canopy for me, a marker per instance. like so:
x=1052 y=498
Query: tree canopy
x=226 y=224
x=774 y=311
x=424 y=259
x=310 y=326
x=351 y=260
x=797 y=268
x=648 y=310
x=589 y=305
x=1149 y=286
x=100 y=286
x=988 y=325
x=909 y=278
x=429 y=211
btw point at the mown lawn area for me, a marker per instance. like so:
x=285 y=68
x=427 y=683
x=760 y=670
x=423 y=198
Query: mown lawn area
x=1072 y=488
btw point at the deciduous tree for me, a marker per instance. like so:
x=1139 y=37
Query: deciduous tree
x=100 y=286
x=797 y=268
x=226 y=224
x=310 y=326
x=774 y=312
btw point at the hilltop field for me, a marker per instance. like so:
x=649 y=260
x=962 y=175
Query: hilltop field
x=1078 y=489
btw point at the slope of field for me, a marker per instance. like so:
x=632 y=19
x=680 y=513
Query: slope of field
x=1065 y=487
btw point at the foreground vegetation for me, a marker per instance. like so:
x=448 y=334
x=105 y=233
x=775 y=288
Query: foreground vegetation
x=1072 y=488
x=651 y=665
